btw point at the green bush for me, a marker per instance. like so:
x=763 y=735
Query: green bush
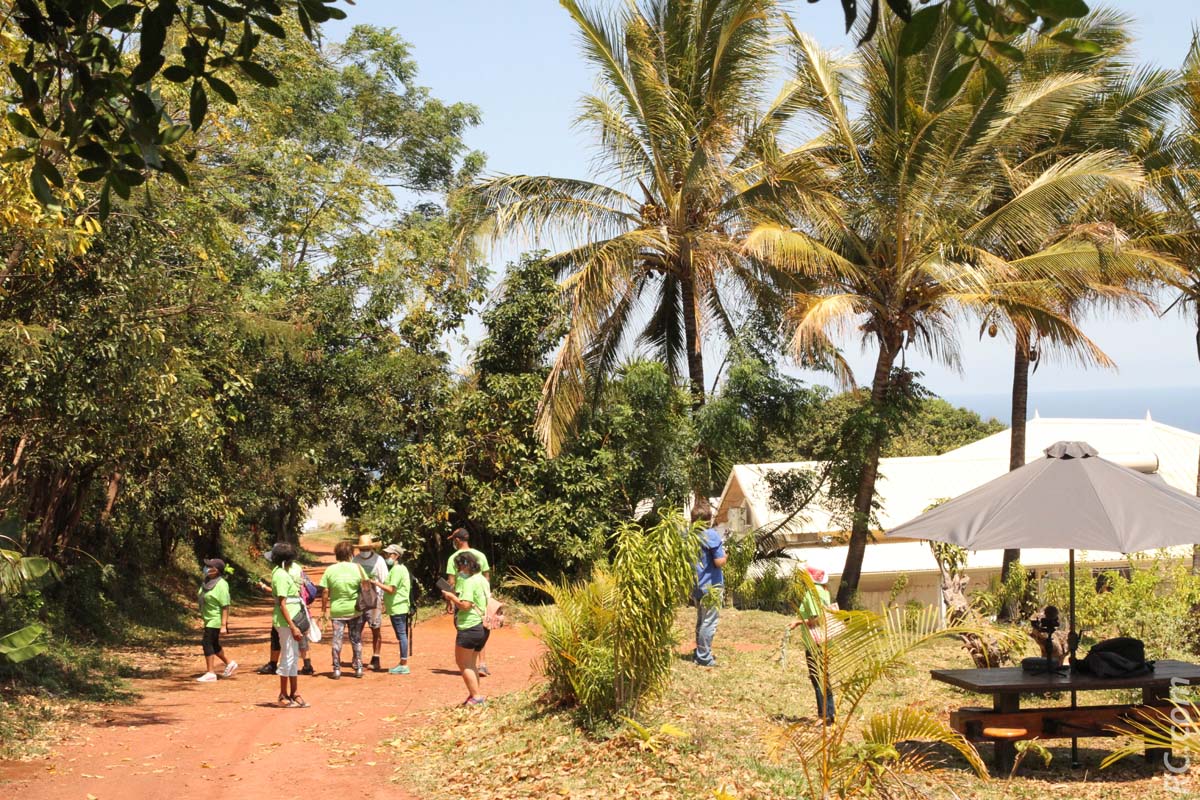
x=739 y=553
x=770 y=590
x=610 y=639
x=1155 y=603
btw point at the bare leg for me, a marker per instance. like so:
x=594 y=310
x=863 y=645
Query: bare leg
x=466 y=660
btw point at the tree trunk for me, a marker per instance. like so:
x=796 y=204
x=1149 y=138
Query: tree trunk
x=1016 y=449
x=691 y=326
x=860 y=528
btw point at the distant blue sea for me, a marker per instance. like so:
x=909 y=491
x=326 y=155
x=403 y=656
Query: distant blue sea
x=1173 y=405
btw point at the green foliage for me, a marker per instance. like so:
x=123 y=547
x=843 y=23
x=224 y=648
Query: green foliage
x=19 y=572
x=982 y=25
x=478 y=462
x=757 y=416
x=610 y=639
x=86 y=96
x=1156 y=603
x=938 y=427
x=22 y=645
x=767 y=589
x=740 y=552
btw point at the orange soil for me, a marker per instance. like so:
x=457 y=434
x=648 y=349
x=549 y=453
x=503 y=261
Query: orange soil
x=225 y=739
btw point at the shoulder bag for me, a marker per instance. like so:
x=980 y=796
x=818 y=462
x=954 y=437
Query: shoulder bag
x=368 y=597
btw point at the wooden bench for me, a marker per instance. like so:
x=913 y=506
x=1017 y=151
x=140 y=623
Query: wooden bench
x=1008 y=723
x=1046 y=723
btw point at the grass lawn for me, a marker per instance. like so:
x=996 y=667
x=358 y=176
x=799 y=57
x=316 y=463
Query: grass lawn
x=516 y=748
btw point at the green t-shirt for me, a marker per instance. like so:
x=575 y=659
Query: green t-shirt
x=483 y=562
x=397 y=602
x=475 y=589
x=342 y=580
x=212 y=603
x=283 y=584
x=809 y=607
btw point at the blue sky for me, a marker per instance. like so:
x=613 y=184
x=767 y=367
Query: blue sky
x=518 y=60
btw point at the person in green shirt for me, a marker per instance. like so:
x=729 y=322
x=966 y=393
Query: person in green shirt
x=811 y=611
x=339 y=601
x=286 y=591
x=462 y=544
x=396 y=591
x=214 y=612
x=469 y=599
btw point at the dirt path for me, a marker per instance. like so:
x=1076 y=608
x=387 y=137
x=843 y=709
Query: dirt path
x=225 y=740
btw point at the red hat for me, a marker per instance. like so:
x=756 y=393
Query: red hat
x=817 y=574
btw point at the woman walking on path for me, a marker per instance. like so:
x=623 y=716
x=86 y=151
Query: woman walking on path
x=214 y=611
x=396 y=590
x=469 y=598
x=339 y=600
x=286 y=591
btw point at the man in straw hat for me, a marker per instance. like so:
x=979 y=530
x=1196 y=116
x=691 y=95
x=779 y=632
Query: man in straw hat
x=376 y=568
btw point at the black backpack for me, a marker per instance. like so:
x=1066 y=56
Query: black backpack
x=1122 y=657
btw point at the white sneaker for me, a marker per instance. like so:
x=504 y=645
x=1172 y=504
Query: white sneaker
x=230 y=668
x=208 y=677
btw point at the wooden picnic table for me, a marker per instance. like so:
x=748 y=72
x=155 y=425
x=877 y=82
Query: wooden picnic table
x=1007 y=684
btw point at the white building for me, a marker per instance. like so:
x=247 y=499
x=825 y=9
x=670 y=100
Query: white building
x=909 y=486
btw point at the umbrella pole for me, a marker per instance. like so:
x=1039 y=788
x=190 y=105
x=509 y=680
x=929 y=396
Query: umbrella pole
x=1071 y=648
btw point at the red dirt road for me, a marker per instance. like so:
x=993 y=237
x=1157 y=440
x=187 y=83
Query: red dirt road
x=224 y=740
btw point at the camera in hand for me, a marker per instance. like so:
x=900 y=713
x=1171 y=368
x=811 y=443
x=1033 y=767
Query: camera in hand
x=1049 y=622
x=1044 y=628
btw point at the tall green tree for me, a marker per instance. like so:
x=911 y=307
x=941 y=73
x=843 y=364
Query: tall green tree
x=1112 y=271
x=1171 y=219
x=913 y=244
x=687 y=144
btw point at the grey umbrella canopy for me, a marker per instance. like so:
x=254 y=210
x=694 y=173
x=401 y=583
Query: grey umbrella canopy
x=1070 y=499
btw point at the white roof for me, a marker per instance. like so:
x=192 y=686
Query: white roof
x=909 y=557
x=908 y=486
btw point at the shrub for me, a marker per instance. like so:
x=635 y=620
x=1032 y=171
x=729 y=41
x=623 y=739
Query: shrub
x=1153 y=603
x=610 y=639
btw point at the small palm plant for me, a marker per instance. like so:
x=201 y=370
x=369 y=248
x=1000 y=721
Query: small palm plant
x=610 y=638
x=1176 y=730
x=877 y=762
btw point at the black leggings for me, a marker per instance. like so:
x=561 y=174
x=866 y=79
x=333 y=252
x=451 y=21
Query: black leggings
x=211 y=642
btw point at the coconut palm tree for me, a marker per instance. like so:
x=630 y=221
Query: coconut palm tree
x=1114 y=272
x=1174 y=173
x=689 y=162
x=923 y=219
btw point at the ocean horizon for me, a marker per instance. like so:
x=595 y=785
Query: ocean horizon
x=1178 y=406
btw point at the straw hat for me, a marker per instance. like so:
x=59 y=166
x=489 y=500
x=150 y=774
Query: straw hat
x=367 y=542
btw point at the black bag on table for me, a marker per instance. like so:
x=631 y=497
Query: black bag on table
x=1122 y=657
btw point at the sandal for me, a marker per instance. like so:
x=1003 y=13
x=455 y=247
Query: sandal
x=284 y=701
x=298 y=702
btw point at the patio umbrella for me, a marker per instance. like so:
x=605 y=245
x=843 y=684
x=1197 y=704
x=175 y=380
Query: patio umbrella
x=1071 y=499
